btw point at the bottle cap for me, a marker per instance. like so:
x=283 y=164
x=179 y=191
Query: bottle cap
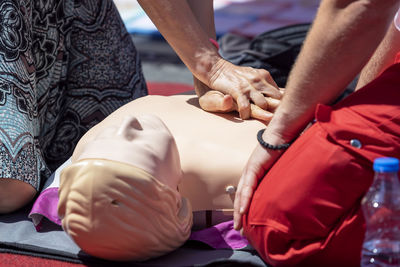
x=386 y=165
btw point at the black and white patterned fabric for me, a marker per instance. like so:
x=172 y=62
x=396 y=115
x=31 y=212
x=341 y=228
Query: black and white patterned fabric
x=64 y=66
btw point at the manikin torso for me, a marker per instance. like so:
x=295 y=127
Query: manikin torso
x=213 y=148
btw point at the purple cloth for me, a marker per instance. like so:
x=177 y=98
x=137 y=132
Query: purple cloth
x=46 y=205
x=221 y=236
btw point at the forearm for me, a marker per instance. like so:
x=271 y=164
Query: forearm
x=203 y=11
x=343 y=37
x=383 y=57
x=178 y=24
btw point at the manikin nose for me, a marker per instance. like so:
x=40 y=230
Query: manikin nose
x=129 y=127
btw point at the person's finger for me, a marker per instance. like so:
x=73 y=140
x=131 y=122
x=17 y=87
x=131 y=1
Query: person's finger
x=259 y=99
x=260 y=114
x=244 y=193
x=243 y=107
x=266 y=87
x=214 y=101
x=270 y=91
x=267 y=77
x=237 y=216
x=273 y=103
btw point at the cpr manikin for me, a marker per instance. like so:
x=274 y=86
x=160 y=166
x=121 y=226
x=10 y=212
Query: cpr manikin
x=119 y=198
x=126 y=179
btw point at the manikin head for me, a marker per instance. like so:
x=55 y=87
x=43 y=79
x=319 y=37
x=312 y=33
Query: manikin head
x=119 y=198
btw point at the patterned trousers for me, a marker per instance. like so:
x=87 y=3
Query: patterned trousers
x=64 y=66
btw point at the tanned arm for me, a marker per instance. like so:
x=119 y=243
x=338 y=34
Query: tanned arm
x=343 y=37
x=383 y=57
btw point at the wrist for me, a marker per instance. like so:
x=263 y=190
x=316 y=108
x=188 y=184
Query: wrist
x=269 y=146
x=278 y=132
x=274 y=138
x=199 y=87
x=207 y=63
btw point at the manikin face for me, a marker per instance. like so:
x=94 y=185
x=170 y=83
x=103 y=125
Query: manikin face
x=144 y=142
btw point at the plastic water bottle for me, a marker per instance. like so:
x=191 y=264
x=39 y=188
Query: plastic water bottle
x=381 y=208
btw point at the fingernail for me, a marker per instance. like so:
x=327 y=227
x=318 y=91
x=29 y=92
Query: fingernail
x=234 y=225
x=241 y=210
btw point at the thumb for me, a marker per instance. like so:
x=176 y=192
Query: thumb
x=214 y=101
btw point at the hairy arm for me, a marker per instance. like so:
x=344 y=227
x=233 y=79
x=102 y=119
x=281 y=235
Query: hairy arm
x=177 y=23
x=187 y=25
x=382 y=58
x=343 y=37
x=203 y=11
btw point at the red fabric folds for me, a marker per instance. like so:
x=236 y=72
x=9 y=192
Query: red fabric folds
x=306 y=210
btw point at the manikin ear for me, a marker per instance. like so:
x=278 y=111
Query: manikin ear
x=119 y=212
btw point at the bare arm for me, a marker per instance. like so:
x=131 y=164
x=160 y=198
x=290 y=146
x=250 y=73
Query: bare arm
x=344 y=35
x=177 y=23
x=187 y=25
x=212 y=100
x=203 y=11
x=382 y=58
x=204 y=14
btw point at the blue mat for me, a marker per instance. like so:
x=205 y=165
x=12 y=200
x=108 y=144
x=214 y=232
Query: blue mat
x=18 y=236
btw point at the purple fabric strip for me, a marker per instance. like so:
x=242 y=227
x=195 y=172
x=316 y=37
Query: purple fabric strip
x=221 y=236
x=46 y=205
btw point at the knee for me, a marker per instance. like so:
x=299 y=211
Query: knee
x=276 y=244
x=280 y=230
x=14 y=194
x=284 y=239
x=271 y=238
